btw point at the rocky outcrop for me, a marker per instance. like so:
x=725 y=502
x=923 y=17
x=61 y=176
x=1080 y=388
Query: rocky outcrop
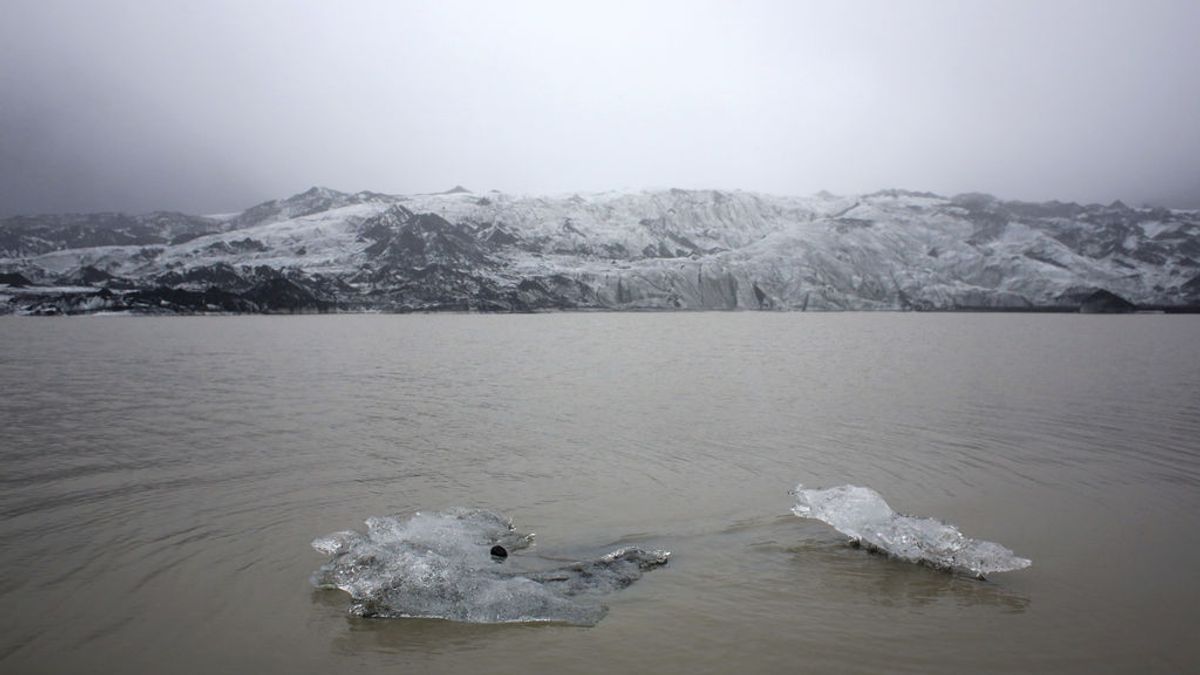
x=14 y=279
x=1103 y=302
x=283 y=296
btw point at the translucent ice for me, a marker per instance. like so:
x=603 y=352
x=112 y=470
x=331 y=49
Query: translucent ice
x=861 y=514
x=439 y=565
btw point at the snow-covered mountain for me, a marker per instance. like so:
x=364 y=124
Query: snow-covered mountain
x=324 y=250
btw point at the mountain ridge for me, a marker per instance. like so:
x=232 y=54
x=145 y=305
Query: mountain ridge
x=661 y=249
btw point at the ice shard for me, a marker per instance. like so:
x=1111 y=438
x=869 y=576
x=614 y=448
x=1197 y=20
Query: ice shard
x=441 y=565
x=862 y=514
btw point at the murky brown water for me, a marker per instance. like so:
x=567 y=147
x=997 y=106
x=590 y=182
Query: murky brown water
x=161 y=480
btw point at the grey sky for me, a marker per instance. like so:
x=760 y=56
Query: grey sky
x=213 y=106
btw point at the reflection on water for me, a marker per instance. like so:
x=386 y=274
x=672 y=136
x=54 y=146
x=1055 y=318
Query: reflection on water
x=162 y=478
x=424 y=636
x=894 y=583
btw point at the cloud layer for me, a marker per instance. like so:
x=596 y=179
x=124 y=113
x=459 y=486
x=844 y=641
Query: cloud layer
x=207 y=107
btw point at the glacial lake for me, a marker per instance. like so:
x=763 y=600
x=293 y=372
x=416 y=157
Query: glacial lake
x=161 y=480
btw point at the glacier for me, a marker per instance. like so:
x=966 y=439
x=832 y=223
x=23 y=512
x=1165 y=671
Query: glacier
x=862 y=514
x=328 y=251
x=439 y=565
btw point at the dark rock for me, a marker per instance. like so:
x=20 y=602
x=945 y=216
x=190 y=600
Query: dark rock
x=283 y=295
x=688 y=245
x=497 y=235
x=14 y=279
x=385 y=224
x=261 y=272
x=183 y=301
x=148 y=253
x=1074 y=296
x=1034 y=255
x=569 y=226
x=324 y=286
x=761 y=297
x=246 y=245
x=1105 y=302
x=168 y=279
x=222 y=275
x=423 y=239
x=553 y=292
x=1191 y=288
x=615 y=250
x=89 y=275
x=93 y=276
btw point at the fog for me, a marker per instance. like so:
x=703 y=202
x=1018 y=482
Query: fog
x=214 y=106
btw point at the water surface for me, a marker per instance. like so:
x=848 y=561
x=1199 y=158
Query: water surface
x=161 y=479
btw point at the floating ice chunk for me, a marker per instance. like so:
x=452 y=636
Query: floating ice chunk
x=861 y=514
x=439 y=565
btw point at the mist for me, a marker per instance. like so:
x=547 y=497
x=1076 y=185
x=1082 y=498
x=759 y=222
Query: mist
x=211 y=107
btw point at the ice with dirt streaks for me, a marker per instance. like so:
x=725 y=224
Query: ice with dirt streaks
x=862 y=514
x=439 y=565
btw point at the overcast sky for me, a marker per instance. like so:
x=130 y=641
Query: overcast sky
x=211 y=106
